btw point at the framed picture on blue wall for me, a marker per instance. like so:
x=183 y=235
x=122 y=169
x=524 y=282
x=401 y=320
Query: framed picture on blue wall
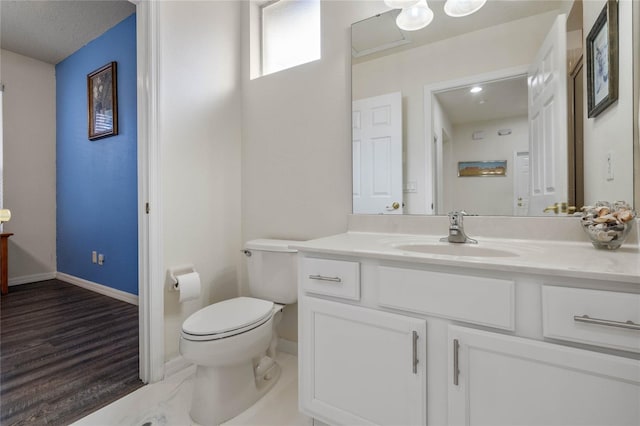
x=103 y=102
x=602 y=60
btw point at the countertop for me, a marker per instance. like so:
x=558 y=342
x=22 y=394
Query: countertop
x=558 y=258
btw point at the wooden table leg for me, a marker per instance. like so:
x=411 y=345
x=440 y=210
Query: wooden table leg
x=4 y=262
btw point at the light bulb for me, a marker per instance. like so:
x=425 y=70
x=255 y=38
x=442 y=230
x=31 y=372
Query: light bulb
x=5 y=215
x=400 y=4
x=415 y=17
x=459 y=8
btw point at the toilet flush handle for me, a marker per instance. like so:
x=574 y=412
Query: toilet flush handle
x=246 y=252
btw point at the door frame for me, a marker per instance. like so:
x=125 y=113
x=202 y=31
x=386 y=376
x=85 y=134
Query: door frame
x=150 y=242
x=430 y=90
x=575 y=146
x=516 y=177
x=1 y=151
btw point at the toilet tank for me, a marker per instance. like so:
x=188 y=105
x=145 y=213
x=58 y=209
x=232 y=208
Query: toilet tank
x=272 y=268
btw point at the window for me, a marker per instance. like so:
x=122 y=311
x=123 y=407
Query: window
x=290 y=34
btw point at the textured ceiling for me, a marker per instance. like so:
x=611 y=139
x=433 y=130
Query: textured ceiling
x=51 y=30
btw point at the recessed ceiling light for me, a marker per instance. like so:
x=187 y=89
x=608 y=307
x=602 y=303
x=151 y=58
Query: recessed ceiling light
x=476 y=89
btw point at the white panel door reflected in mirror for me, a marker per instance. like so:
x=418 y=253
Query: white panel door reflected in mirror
x=377 y=154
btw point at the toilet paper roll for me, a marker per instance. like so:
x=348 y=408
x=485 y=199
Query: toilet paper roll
x=188 y=285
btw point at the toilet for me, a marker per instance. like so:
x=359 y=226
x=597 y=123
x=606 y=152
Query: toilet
x=233 y=342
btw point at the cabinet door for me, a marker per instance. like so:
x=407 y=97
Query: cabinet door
x=505 y=380
x=359 y=366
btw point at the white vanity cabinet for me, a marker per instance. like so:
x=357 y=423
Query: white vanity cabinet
x=389 y=341
x=357 y=365
x=361 y=366
x=505 y=380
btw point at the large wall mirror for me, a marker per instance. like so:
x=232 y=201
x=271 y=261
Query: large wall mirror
x=489 y=113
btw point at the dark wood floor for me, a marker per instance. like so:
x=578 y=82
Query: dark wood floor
x=64 y=352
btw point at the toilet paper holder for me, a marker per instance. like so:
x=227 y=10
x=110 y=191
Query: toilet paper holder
x=179 y=270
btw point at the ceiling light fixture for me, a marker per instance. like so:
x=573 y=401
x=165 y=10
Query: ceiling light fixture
x=476 y=89
x=416 y=14
x=415 y=17
x=459 y=8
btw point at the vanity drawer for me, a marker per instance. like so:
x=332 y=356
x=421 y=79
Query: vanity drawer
x=480 y=300
x=564 y=310
x=339 y=278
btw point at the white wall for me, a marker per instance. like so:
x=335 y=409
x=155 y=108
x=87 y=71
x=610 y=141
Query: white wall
x=200 y=136
x=488 y=195
x=29 y=120
x=612 y=130
x=296 y=164
x=409 y=71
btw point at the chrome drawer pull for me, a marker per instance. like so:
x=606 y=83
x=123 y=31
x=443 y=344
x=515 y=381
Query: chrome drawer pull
x=587 y=319
x=415 y=352
x=323 y=278
x=456 y=361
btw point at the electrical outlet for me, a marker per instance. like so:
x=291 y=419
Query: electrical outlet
x=94 y=257
x=101 y=259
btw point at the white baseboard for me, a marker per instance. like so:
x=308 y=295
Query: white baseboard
x=288 y=346
x=27 y=279
x=98 y=288
x=175 y=365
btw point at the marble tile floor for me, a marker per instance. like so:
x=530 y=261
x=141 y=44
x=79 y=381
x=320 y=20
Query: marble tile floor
x=167 y=403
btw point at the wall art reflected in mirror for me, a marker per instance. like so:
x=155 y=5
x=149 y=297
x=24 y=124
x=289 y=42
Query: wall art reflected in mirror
x=506 y=85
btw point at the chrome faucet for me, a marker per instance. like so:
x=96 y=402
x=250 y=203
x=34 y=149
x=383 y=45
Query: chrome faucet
x=456 y=229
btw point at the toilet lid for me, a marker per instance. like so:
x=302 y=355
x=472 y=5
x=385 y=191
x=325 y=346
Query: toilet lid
x=228 y=315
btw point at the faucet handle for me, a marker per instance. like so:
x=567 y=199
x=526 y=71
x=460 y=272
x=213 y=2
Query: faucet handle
x=455 y=217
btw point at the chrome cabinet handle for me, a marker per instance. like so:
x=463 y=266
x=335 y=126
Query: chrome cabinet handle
x=323 y=278
x=619 y=324
x=456 y=369
x=415 y=352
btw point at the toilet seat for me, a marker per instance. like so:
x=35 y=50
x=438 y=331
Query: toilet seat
x=227 y=318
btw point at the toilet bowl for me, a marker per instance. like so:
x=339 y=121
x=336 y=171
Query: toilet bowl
x=233 y=342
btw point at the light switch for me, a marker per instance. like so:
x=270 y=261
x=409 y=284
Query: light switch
x=411 y=187
x=610 y=166
x=94 y=257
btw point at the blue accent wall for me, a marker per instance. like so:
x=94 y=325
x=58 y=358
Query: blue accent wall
x=97 y=189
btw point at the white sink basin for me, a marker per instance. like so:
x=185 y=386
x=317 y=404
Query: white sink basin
x=453 y=249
